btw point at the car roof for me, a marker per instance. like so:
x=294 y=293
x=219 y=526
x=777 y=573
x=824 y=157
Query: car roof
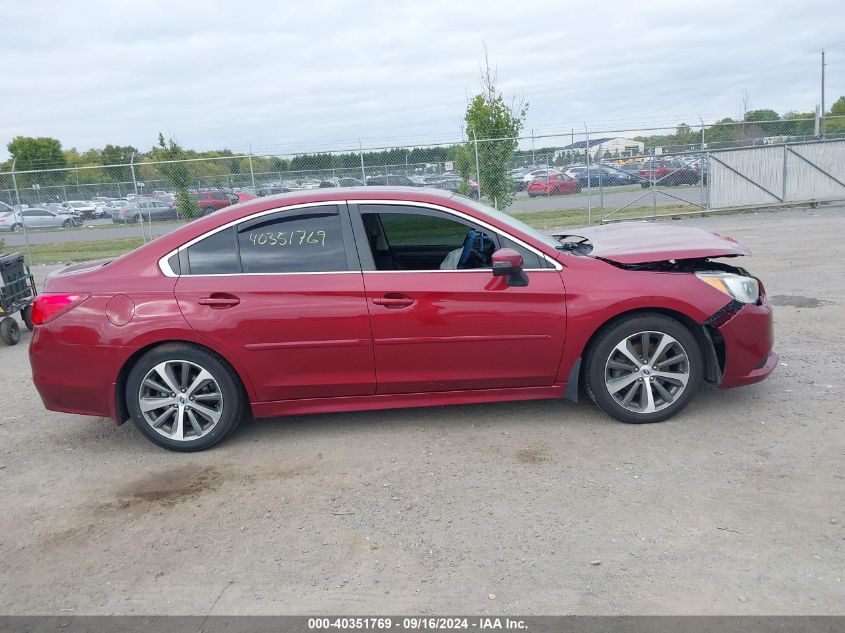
x=370 y=192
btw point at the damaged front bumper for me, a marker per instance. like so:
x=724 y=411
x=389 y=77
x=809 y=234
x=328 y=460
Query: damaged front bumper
x=742 y=336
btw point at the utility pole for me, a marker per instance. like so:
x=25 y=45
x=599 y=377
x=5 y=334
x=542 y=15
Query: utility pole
x=822 y=120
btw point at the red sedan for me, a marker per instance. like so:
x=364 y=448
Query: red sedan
x=336 y=300
x=554 y=184
x=211 y=200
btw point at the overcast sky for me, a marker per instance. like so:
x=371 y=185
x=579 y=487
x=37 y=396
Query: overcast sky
x=287 y=76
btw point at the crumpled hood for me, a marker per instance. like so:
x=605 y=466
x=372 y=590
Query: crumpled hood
x=643 y=242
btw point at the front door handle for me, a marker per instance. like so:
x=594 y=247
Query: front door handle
x=393 y=301
x=219 y=301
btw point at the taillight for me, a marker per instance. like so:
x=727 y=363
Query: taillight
x=47 y=307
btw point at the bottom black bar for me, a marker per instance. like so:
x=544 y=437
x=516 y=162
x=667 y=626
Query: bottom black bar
x=403 y=624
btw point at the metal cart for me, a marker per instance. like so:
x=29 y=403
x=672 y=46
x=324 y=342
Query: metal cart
x=17 y=292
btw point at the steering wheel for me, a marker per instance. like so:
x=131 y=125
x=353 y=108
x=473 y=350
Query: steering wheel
x=469 y=240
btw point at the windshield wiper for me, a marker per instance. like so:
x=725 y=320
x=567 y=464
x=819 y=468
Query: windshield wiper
x=573 y=244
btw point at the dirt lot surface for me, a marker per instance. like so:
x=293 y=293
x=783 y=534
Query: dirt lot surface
x=735 y=507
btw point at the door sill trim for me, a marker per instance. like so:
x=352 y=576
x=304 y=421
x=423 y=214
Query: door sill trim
x=404 y=400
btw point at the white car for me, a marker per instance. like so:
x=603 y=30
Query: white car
x=36 y=218
x=536 y=174
x=84 y=208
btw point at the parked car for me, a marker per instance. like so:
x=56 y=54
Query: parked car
x=84 y=208
x=454 y=185
x=244 y=196
x=667 y=172
x=211 y=200
x=553 y=185
x=390 y=180
x=272 y=188
x=596 y=177
x=36 y=218
x=112 y=206
x=145 y=210
x=521 y=182
x=252 y=311
x=633 y=169
x=341 y=182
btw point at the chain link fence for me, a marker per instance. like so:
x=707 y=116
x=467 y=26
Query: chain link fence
x=549 y=179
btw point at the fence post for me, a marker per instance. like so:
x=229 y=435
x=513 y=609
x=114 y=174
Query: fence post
x=783 y=191
x=23 y=222
x=137 y=199
x=361 y=155
x=589 y=183
x=702 y=166
x=251 y=172
x=601 y=180
x=477 y=168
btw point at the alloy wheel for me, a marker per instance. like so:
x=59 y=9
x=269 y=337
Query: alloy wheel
x=180 y=400
x=647 y=371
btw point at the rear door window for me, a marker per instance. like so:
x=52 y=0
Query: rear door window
x=295 y=241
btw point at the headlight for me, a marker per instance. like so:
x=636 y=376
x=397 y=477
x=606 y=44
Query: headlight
x=741 y=288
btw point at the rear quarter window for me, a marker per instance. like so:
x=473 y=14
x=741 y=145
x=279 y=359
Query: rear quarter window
x=214 y=255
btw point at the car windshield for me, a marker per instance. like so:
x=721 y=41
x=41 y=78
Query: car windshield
x=510 y=221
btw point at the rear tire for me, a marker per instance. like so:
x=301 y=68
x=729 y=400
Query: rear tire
x=9 y=331
x=637 y=387
x=67 y=224
x=26 y=315
x=184 y=372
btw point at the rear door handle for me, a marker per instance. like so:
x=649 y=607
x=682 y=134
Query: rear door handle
x=394 y=301
x=219 y=301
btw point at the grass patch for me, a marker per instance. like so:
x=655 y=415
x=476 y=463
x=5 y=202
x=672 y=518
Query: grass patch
x=81 y=251
x=576 y=217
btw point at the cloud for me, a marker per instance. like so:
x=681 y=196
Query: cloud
x=297 y=75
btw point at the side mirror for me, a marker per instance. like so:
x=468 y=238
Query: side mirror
x=508 y=263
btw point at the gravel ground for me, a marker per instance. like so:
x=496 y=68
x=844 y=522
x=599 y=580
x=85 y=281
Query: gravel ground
x=735 y=507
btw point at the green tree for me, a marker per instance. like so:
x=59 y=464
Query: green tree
x=767 y=121
x=494 y=126
x=753 y=116
x=178 y=174
x=798 y=124
x=38 y=153
x=464 y=165
x=836 y=125
x=112 y=155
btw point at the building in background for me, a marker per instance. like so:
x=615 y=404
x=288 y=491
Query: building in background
x=609 y=146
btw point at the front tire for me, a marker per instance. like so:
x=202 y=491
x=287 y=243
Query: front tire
x=17 y=228
x=644 y=368
x=184 y=398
